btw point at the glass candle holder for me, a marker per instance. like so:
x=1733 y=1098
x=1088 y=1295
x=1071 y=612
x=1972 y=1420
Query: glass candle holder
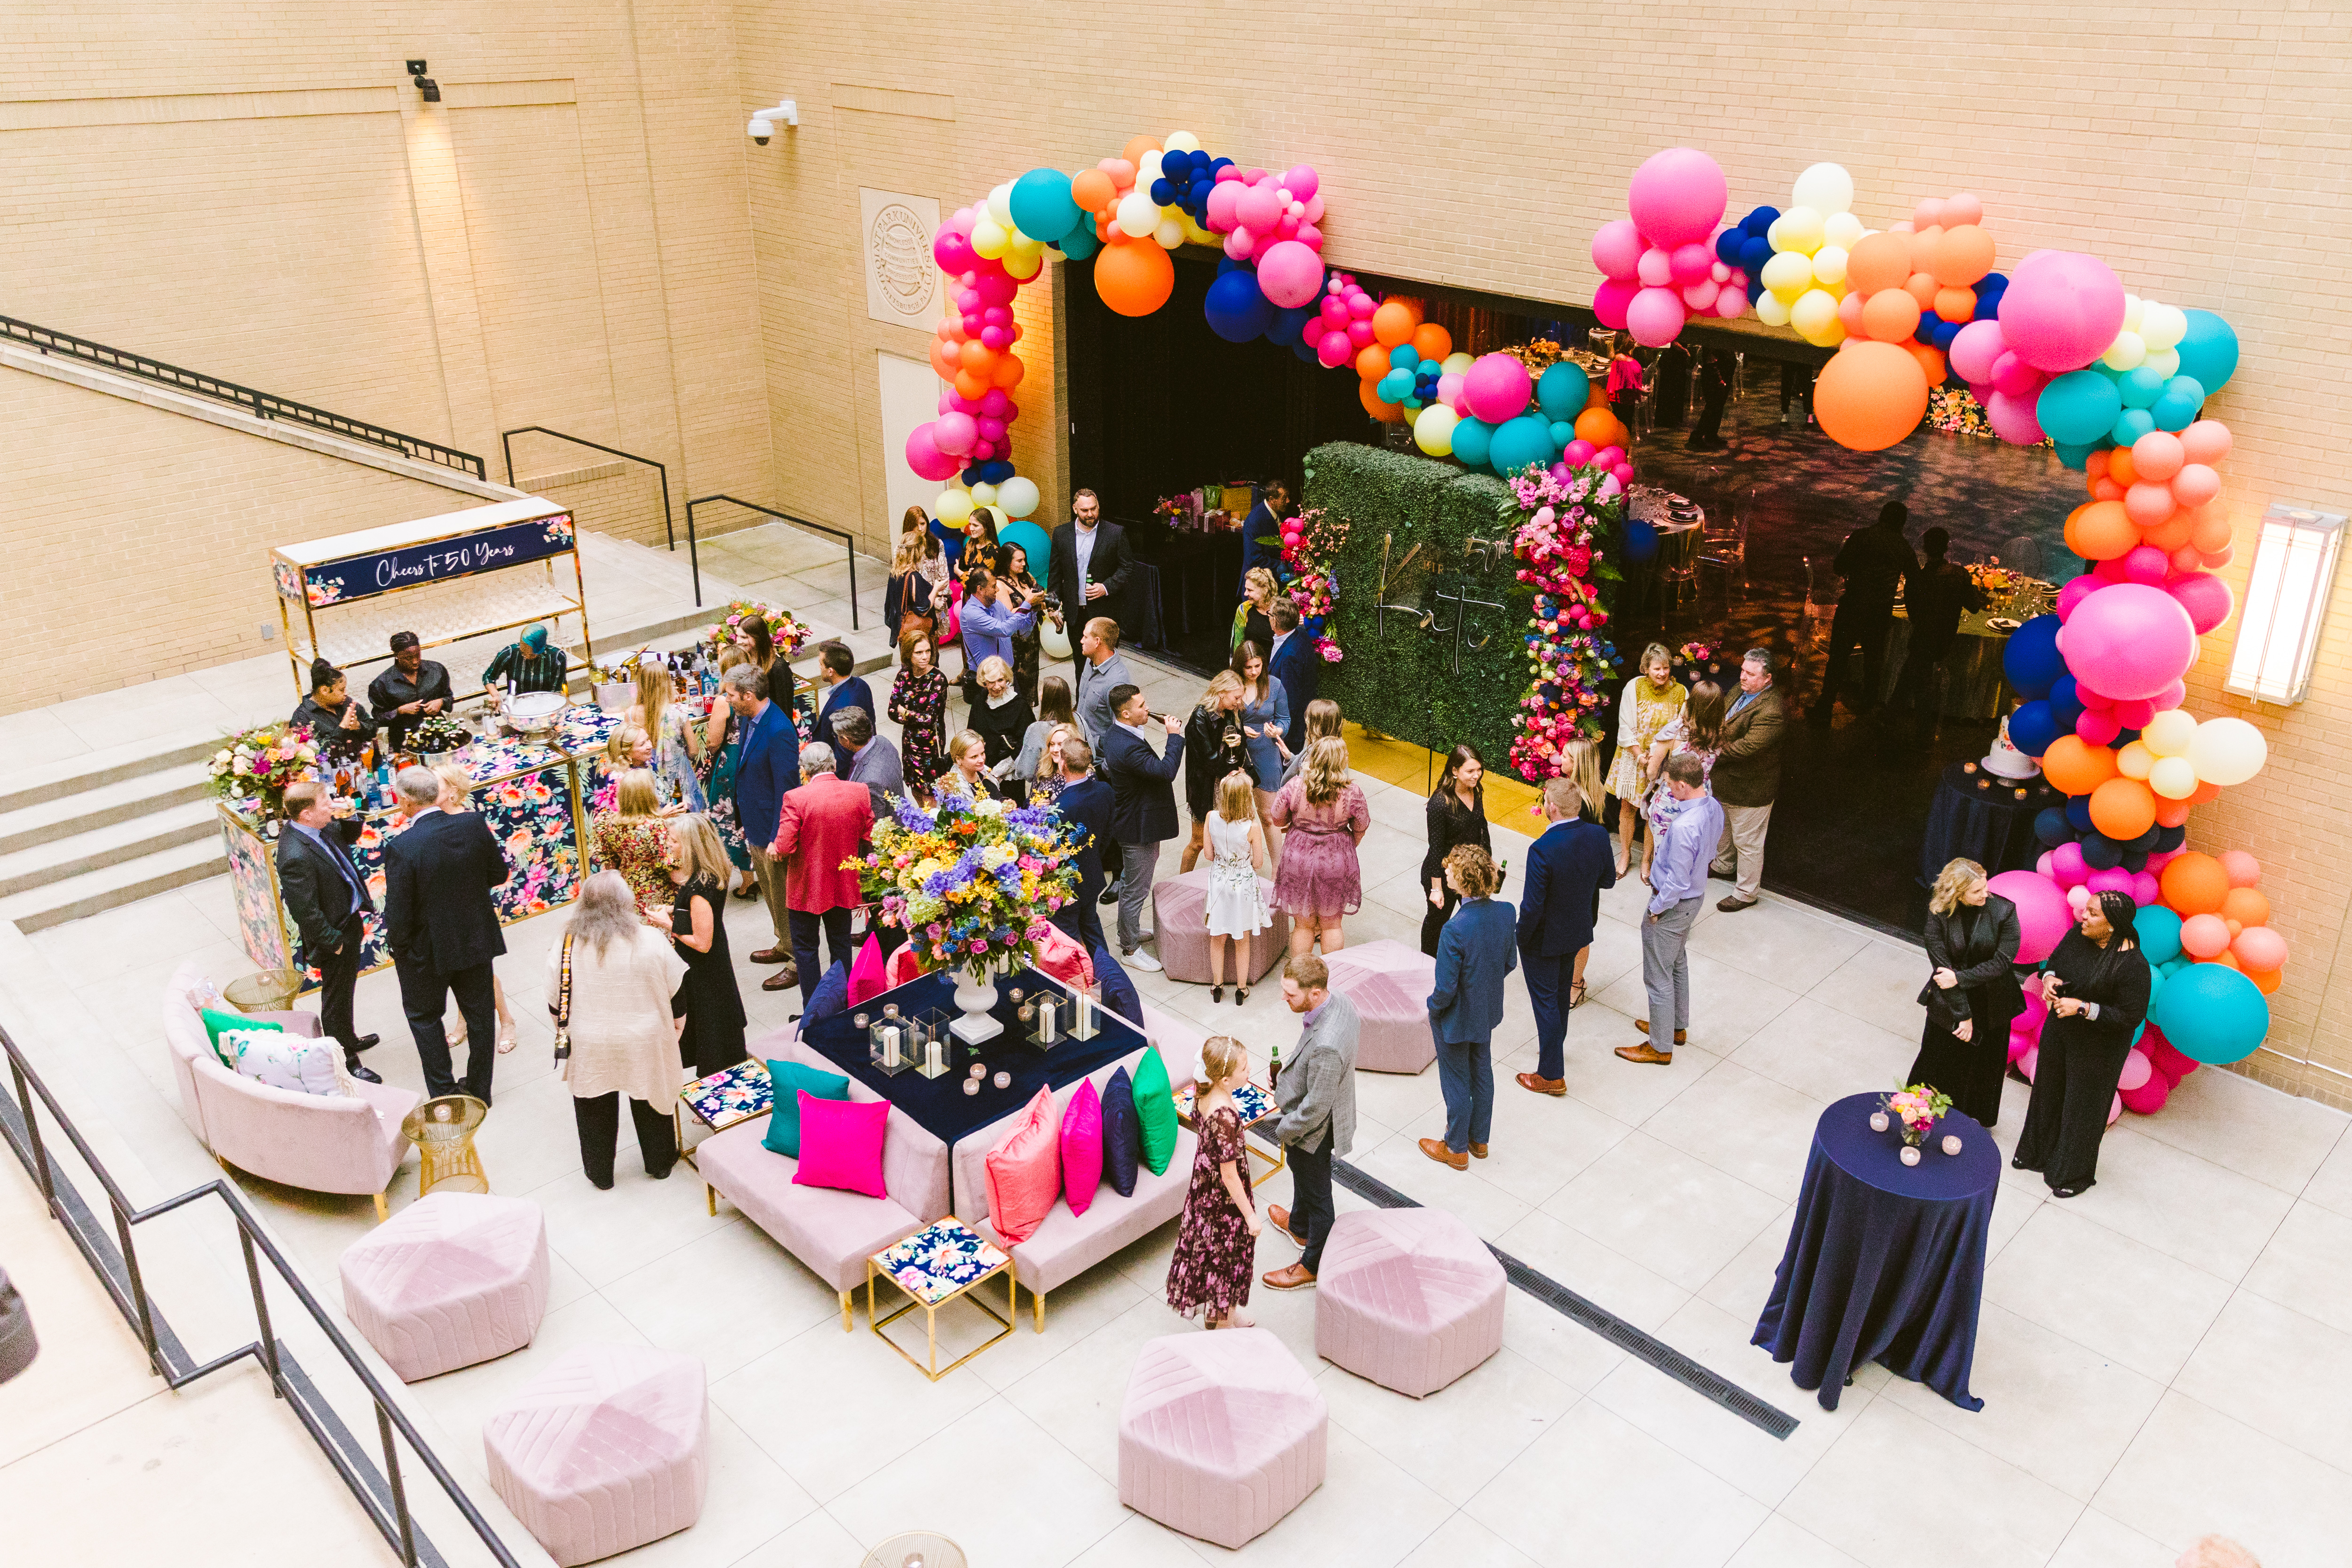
x=1878 y=1122
x=1003 y=1079
x=1910 y=1154
x=972 y=1086
x=863 y=1019
x=1951 y=1143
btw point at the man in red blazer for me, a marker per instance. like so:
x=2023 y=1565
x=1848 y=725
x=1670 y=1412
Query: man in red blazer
x=821 y=823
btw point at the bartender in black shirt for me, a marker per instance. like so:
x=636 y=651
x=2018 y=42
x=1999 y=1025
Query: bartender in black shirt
x=1874 y=562
x=414 y=687
x=339 y=727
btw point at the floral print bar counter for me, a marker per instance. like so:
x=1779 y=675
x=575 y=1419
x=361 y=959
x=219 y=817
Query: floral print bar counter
x=533 y=792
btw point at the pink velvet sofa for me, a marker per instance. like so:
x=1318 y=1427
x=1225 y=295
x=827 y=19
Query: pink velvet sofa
x=316 y=1143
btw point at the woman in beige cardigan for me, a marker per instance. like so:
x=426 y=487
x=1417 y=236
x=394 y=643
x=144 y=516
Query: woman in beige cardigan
x=625 y=1026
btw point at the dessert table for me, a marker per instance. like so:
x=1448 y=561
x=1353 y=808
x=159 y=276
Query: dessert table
x=1977 y=815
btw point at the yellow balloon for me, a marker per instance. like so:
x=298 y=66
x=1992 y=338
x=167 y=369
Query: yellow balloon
x=1814 y=315
x=989 y=239
x=2172 y=778
x=999 y=205
x=1798 y=229
x=1829 y=264
x=2169 y=733
x=1171 y=233
x=1023 y=264
x=1456 y=365
x=1788 y=275
x=1773 y=311
x=2135 y=761
x=1182 y=141
x=954 y=508
x=1842 y=229
x=1433 y=430
x=984 y=495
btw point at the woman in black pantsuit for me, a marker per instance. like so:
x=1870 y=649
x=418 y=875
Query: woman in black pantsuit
x=1972 y=997
x=1457 y=815
x=2098 y=982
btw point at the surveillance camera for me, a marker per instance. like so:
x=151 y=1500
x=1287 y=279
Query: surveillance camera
x=760 y=130
x=764 y=124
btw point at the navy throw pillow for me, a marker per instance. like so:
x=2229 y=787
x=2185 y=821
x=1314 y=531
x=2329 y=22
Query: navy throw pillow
x=1118 y=992
x=1122 y=1134
x=832 y=997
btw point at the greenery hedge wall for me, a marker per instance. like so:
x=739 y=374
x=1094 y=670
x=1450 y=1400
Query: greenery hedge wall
x=1402 y=683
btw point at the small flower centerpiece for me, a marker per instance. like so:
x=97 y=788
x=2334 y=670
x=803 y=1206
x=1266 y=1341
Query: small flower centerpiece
x=788 y=631
x=252 y=769
x=1914 y=1110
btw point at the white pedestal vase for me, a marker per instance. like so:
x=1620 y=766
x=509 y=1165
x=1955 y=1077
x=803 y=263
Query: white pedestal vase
x=975 y=994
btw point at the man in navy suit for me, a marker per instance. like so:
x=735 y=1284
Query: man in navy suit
x=1295 y=664
x=1085 y=804
x=1567 y=869
x=770 y=765
x=443 y=928
x=842 y=689
x=329 y=901
x=1143 y=808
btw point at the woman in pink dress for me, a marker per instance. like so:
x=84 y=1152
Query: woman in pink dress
x=1320 y=880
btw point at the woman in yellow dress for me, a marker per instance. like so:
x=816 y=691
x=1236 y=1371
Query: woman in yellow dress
x=1649 y=702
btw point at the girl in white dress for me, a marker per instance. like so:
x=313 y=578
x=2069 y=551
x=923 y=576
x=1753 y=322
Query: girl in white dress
x=1236 y=906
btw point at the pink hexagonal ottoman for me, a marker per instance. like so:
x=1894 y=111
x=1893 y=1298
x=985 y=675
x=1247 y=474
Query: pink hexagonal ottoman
x=1390 y=985
x=1180 y=915
x=1408 y=1298
x=1222 y=1434
x=453 y=1278
x=607 y=1449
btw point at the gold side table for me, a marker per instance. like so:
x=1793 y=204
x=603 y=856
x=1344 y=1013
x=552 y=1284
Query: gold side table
x=939 y=1264
x=916 y=1549
x=1255 y=1104
x=443 y=1131
x=270 y=991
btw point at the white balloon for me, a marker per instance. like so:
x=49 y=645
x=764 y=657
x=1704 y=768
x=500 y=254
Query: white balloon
x=999 y=205
x=1842 y=229
x=1829 y=264
x=1018 y=496
x=1825 y=188
x=2165 y=363
x=984 y=495
x=1147 y=171
x=1137 y=214
x=2133 y=306
x=1182 y=141
x=1171 y=233
x=2125 y=351
x=2162 y=327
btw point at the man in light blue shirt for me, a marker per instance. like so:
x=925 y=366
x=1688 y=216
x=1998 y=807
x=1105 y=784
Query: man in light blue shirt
x=1678 y=884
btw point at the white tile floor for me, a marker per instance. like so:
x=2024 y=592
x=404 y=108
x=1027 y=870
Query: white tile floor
x=2159 y=1358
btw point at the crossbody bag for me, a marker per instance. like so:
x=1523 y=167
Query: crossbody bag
x=562 y=1007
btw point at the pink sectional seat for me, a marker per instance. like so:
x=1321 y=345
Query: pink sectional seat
x=1390 y=985
x=1408 y=1298
x=607 y=1449
x=1179 y=907
x=458 y=1278
x=1222 y=1435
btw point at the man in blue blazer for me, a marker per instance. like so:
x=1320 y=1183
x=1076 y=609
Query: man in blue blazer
x=841 y=688
x=770 y=765
x=1085 y=804
x=1295 y=664
x=1476 y=949
x=1567 y=869
x=1143 y=808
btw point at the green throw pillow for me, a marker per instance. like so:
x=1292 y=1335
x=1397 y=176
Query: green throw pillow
x=792 y=1080
x=1155 y=1108
x=215 y=1021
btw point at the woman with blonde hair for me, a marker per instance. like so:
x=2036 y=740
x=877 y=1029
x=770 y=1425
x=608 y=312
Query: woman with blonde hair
x=712 y=1039
x=677 y=746
x=1580 y=764
x=1213 y=747
x=633 y=839
x=967 y=770
x=1216 y=1237
x=1648 y=703
x=457 y=795
x=1046 y=785
x=1320 y=879
x=1251 y=622
x=723 y=751
x=1000 y=718
x=1322 y=720
x=1236 y=906
x=1972 y=995
x=620 y=978
x=1055 y=710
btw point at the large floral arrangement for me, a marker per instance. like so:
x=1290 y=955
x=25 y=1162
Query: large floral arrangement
x=1559 y=520
x=968 y=881
x=254 y=768
x=1311 y=544
x=789 y=632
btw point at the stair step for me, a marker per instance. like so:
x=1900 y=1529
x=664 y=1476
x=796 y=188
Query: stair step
x=92 y=892
x=98 y=847
x=55 y=780
x=68 y=814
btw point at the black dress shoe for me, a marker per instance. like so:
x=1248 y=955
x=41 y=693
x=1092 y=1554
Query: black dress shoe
x=365 y=1041
x=361 y=1073
x=1110 y=897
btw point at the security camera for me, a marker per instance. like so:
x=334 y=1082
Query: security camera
x=760 y=130
x=764 y=124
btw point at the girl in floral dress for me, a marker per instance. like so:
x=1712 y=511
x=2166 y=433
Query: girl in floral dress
x=1217 y=1241
x=919 y=701
x=1699 y=730
x=1650 y=702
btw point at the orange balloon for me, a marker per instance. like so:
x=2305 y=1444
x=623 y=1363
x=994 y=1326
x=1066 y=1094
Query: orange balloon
x=2077 y=767
x=970 y=384
x=2266 y=980
x=1386 y=413
x=1928 y=249
x=2194 y=884
x=1963 y=256
x=1596 y=396
x=2225 y=958
x=2094 y=467
x=1597 y=426
x=2101 y=531
x=1008 y=373
x=944 y=361
x=1930 y=358
x=2246 y=906
x=2210 y=532
x=1922 y=287
x=1134 y=277
x=1391 y=324
x=2119 y=467
x=1956 y=304
x=2171 y=813
x=1430 y=340
x=2106 y=489
x=1870 y=396
x=1135 y=150
x=978 y=357
x=1878 y=261
x=1890 y=315
x=2171 y=533
x=2122 y=808
x=2203 y=792
x=1372 y=363
x=1093 y=190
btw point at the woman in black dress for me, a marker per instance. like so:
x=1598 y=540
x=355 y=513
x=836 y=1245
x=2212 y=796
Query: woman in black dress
x=2097 y=985
x=339 y=727
x=1972 y=995
x=713 y=1039
x=1457 y=815
x=1013 y=568
x=1213 y=747
x=918 y=702
x=1000 y=718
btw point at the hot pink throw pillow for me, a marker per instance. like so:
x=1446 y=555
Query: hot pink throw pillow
x=841 y=1144
x=865 y=974
x=1082 y=1147
x=1025 y=1171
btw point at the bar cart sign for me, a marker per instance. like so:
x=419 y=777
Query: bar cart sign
x=362 y=576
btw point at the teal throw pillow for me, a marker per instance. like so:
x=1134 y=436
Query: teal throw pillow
x=793 y=1080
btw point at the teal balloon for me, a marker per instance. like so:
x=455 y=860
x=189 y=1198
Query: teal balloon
x=2213 y=1014
x=1471 y=438
x=1041 y=204
x=1520 y=442
x=1402 y=357
x=1394 y=385
x=2078 y=407
x=1561 y=391
x=1079 y=243
x=1562 y=432
x=2130 y=425
x=2175 y=407
x=2074 y=454
x=2141 y=386
x=2159 y=933
x=2210 y=351
x=1428 y=367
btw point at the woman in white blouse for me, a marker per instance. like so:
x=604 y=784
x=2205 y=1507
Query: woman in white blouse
x=625 y=1024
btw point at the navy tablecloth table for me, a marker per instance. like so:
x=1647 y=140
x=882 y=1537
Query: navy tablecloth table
x=1886 y=1262
x=1986 y=818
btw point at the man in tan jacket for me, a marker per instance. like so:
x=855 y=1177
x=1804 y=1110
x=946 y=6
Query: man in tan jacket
x=1746 y=778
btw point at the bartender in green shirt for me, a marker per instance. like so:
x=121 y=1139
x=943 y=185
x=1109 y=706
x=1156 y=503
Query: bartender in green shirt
x=529 y=664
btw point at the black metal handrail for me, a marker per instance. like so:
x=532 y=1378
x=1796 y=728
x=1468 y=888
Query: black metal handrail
x=506 y=440
x=168 y=1362
x=261 y=405
x=847 y=541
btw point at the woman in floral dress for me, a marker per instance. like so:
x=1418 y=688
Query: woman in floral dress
x=633 y=839
x=1216 y=1240
x=1650 y=701
x=722 y=749
x=919 y=701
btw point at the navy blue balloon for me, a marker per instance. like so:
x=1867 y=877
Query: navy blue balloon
x=2031 y=660
x=971 y=475
x=2101 y=853
x=1236 y=309
x=1285 y=327
x=1754 y=252
x=2142 y=843
x=2135 y=861
x=1641 y=543
x=1759 y=220
x=1945 y=332
x=2170 y=838
x=2033 y=727
x=997 y=470
x=1726 y=245
x=2078 y=812
x=2123 y=738
x=1220 y=164
x=1306 y=351
x=2050 y=824
x=1162 y=193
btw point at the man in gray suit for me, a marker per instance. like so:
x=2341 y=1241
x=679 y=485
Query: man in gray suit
x=1316 y=1096
x=1099 y=669
x=873 y=760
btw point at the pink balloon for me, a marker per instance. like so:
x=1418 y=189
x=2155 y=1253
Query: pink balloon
x=1975 y=349
x=2136 y=1070
x=1360 y=306
x=2109 y=571
x=1223 y=198
x=2206 y=441
x=1657 y=271
x=996 y=287
x=1655 y=316
x=2158 y=861
x=2066 y=866
x=951 y=249
x=2242 y=869
x=1578 y=453
x=2044 y=861
x=1360 y=334
x=1692 y=262
x=2074 y=593
x=2135 y=714
x=2145 y=888
x=2061 y=309
x=2099 y=728
x=2172 y=696
x=1701 y=295
x=2012 y=419
x=2115 y=1109
x=1334 y=350
x=2129 y=641
x=1290 y=274
x=1617 y=249
x=1731 y=300
x=923 y=455
x=2206 y=597
x=2041 y=911
x=2149 y=1097
x=2029 y=1061
x=1257 y=208
x=2089 y=696
x=997 y=338
x=954 y=433
x=1449 y=390
x=2145 y=564
x=2259 y=948
x=1677 y=197
x=2204 y=936
x=1608 y=457
x=2148 y=504
x=991 y=429
x=1302 y=182
x=2157 y=456
x=2077 y=899
x=1609 y=302
x=982 y=451
x=1623 y=473
x=994 y=403
x=1497 y=387
x=2114 y=879
x=2195 y=484
x=2170 y=1064
x=1962 y=208
x=2012 y=374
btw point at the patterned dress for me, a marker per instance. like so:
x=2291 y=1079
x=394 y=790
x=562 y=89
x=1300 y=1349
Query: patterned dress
x=674 y=764
x=1215 y=1254
x=718 y=788
x=638 y=848
x=920 y=703
x=1655 y=707
x=1319 y=874
x=1663 y=807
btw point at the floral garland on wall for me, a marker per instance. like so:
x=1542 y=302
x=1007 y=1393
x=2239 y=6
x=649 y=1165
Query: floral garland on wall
x=1559 y=518
x=1311 y=542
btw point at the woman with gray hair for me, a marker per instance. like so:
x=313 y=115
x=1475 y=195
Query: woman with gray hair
x=612 y=979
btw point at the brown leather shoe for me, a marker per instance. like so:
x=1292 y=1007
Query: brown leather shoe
x=1735 y=904
x=1294 y=1277
x=1436 y=1150
x=783 y=980
x=1478 y=1151
x=1528 y=1080
x=1280 y=1217
x=770 y=955
x=1682 y=1037
x=1647 y=1054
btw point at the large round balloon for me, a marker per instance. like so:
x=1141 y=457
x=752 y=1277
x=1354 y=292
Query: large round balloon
x=2130 y=641
x=2210 y=351
x=1520 y=442
x=1870 y=396
x=2079 y=407
x=1134 y=277
x=2159 y=933
x=1290 y=273
x=1677 y=197
x=1563 y=390
x=2031 y=661
x=1496 y=388
x=2227 y=752
x=1043 y=206
x=2061 y=310
x=1237 y=309
x=2044 y=915
x=2212 y=1014
x=925 y=458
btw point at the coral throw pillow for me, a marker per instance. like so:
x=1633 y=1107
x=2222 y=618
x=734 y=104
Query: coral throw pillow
x=1060 y=955
x=841 y=1144
x=1082 y=1147
x=1122 y=1134
x=1025 y=1171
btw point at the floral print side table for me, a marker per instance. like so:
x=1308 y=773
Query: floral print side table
x=946 y=1262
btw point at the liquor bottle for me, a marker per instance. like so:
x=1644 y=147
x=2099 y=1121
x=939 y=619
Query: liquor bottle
x=1274 y=1065
x=342 y=780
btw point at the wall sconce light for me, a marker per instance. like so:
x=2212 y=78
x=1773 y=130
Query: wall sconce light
x=764 y=124
x=424 y=84
x=2287 y=604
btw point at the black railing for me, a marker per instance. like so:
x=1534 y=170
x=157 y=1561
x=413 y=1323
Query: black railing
x=506 y=441
x=379 y=1492
x=849 y=543
x=261 y=405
